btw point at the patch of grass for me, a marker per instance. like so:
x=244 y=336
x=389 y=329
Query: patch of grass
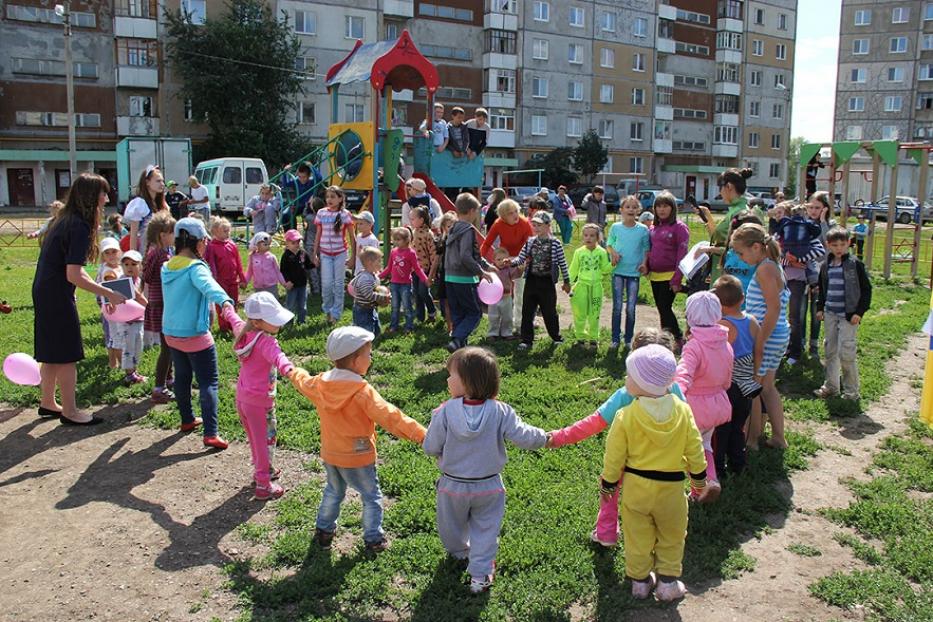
x=736 y=563
x=804 y=550
x=861 y=549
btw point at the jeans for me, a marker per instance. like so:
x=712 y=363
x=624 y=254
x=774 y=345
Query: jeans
x=664 y=301
x=624 y=291
x=465 y=312
x=332 y=273
x=203 y=366
x=367 y=318
x=296 y=301
x=566 y=228
x=365 y=481
x=401 y=301
x=797 y=318
x=424 y=301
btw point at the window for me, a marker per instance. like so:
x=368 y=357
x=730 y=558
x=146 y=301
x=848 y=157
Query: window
x=895 y=74
x=500 y=41
x=46 y=67
x=854 y=132
x=687 y=145
x=926 y=42
x=539 y=49
x=689 y=113
x=502 y=119
x=542 y=11
x=926 y=72
x=140 y=106
x=575 y=53
x=353 y=27
x=691 y=48
x=898 y=45
x=775 y=141
x=574 y=126
x=445 y=12
x=782 y=21
x=505 y=6
x=731 y=9
x=306 y=113
x=57 y=119
x=606 y=94
x=925 y=101
x=780 y=51
x=400 y=114
x=135 y=8
x=307 y=65
x=605 y=128
x=196 y=10
x=254 y=175
x=538 y=125
x=447 y=93
x=577 y=17
x=777 y=111
x=137 y=52
x=754 y=109
x=727 y=72
x=893 y=103
x=48 y=16
x=779 y=81
x=753 y=140
x=637 y=131
x=638 y=61
x=755 y=78
x=664 y=95
x=539 y=87
x=759 y=16
x=662 y=130
x=858 y=75
x=691 y=81
x=502 y=80
x=900 y=15
x=727 y=104
x=233 y=175
x=443 y=51
x=729 y=41
x=189 y=110
x=353 y=113
x=863 y=18
x=889 y=132
x=607 y=58
x=665 y=29
x=638 y=97
x=607 y=22
x=774 y=170
x=928 y=11
x=636 y=165
x=305 y=22
x=640 y=27
x=725 y=135
x=691 y=16
x=860 y=46
x=758 y=48
x=575 y=91
x=391 y=31
x=856 y=104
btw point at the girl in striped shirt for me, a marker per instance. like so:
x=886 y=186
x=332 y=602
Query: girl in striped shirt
x=334 y=225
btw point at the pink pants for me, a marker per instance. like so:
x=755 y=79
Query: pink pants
x=607 y=521
x=260 y=425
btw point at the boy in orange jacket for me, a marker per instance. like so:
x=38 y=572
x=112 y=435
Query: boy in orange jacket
x=349 y=409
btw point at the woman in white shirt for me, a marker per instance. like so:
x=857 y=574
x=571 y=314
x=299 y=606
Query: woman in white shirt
x=149 y=199
x=417 y=195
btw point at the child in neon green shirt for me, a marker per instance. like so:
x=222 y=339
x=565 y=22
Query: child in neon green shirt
x=590 y=264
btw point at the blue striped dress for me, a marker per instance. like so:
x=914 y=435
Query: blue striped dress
x=755 y=305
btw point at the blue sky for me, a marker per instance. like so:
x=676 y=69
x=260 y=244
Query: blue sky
x=815 y=69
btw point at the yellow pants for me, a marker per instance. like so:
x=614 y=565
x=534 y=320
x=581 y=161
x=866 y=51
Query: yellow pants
x=654 y=526
x=586 y=303
x=926 y=399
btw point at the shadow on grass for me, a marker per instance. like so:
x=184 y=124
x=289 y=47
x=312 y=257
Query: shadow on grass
x=447 y=597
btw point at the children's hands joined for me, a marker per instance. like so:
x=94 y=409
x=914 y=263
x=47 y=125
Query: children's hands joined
x=856 y=320
x=566 y=288
x=549 y=444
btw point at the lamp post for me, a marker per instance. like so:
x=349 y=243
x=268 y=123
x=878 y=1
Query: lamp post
x=64 y=11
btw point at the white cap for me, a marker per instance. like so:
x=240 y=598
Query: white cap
x=344 y=341
x=264 y=306
x=132 y=256
x=108 y=244
x=262 y=236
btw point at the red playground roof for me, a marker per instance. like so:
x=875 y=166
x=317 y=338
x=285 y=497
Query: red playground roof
x=398 y=64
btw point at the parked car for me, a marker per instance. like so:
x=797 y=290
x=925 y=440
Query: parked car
x=906 y=210
x=231 y=182
x=647 y=196
x=610 y=196
x=767 y=197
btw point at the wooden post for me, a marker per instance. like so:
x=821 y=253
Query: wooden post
x=892 y=218
x=870 y=242
x=918 y=226
x=845 y=193
x=832 y=185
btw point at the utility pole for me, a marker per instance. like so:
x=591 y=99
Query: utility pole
x=64 y=11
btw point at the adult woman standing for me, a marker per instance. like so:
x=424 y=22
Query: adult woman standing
x=561 y=204
x=70 y=243
x=512 y=230
x=732 y=187
x=416 y=195
x=150 y=198
x=496 y=197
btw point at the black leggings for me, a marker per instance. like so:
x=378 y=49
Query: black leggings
x=664 y=301
x=164 y=363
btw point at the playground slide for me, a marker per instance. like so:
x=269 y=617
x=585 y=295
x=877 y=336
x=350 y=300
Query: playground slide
x=446 y=204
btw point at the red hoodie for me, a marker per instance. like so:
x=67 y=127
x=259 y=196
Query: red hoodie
x=223 y=257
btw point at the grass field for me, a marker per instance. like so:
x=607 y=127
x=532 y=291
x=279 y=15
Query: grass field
x=546 y=564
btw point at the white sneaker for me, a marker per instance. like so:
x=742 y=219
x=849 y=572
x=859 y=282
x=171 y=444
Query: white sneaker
x=614 y=345
x=791 y=361
x=670 y=591
x=642 y=589
x=824 y=392
x=606 y=543
x=480 y=584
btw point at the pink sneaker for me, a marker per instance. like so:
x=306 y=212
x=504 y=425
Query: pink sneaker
x=134 y=378
x=642 y=589
x=668 y=591
x=606 y=543
x=272 y=491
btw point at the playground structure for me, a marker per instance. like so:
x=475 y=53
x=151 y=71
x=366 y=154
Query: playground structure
x=883 y=153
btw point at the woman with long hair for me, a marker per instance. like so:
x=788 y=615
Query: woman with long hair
x=149 y=199
x=496 y=197
x=669 y=240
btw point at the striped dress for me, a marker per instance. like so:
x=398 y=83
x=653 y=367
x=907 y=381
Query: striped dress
x=755 y=305
x=152 y=276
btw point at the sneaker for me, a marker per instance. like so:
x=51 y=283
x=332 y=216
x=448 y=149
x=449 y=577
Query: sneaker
x=432 y=318
x=814 y=352
x=187 y=427
x=606 y=543
x=452 y=346
x=134 y=378
x=323 y=538
x=670 y=590
x=558 y=341
x=851 y=396
x=272 y=491
x=642 y=589
x=791 y=361
x=216 y=442
x=524 y=346
x=377 y=547
x=824 y=392
x=274 y=473
x=161 y=396
x=614 y=345
x=478 y=585
x=5 y=307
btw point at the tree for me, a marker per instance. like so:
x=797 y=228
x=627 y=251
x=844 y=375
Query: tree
x=239 y=71
x=793 y=164
x=557 y=166
x=589 y=157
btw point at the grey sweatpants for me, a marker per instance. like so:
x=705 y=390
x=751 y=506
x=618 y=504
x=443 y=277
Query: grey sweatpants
x=469 y=517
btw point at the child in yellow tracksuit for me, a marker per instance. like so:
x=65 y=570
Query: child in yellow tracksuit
x=588 y=268
x=652 y=439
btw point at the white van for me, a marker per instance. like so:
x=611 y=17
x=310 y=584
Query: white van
x=232 y=182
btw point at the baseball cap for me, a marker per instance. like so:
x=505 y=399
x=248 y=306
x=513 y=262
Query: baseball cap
x=541 y=217
x=264 y=306
x=192 y=226
x=365 y=215
x=544 y=190
x=108 y=244
x=132 y=256
x=344 y=341
x=171 y=182
x=292 y=235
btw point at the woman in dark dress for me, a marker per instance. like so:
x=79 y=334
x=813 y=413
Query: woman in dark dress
x=69 y=244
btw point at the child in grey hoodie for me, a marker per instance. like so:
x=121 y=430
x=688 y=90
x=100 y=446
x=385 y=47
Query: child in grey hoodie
x=468 y=434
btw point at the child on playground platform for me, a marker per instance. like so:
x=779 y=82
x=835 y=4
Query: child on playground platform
x=588 y=267
x=463 y=267
x=129 y=335
x=109 y=270
x=403 y=263
x=294 y=266
x=349 y=409
x=628 y=243
x=467 y=434
x=262 y=269
x=223 y=257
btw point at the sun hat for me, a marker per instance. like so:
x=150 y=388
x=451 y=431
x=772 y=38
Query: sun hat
x=365 y=215
x=646 y=217
x=292 y=235
x=192 y=226
x=703 y=309
x=344 y=341
x=109 y=244
x=132 y=255
x=262 y=236
x=652 y=367
x=264 y=306
x=542 y=218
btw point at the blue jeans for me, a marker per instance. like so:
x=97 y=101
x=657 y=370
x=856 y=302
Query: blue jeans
x=296 y=301
x=203 y=365
x=401 y=299
x=332 y=273
x=365 y=481
x=465 y=312
x=424 y=301
x=566 y=228
x=367 y=318
x=624 y=289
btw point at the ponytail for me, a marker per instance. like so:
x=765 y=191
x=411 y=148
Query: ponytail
x=748 y=234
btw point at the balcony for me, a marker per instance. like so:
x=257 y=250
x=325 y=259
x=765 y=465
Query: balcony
x=666 y=11
x=725 y=55
x=398 y=8
x=664 y=79
x=500 y=21
x=497 y=99
x=138 y=77
x=663 y=112
x=138 y=126
x=504 y=139
x=721 y=118
x=727 y=88
x=664 y=45
x=134 y=27
x=725 y=151
x=495 y=60
x=663 y=146
x=729 y=24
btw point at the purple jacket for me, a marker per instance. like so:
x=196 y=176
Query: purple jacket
x=669 y=243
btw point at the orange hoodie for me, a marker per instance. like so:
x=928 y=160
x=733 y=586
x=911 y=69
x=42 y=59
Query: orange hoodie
x=349 y=409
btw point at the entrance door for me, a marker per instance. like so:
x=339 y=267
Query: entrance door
x=706 y=188
x=691 y=188
x=62 y=183
x=22 y=186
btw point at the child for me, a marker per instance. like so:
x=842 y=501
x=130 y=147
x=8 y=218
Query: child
x=403 y=262
x=590 y=264
x=467 y=434
x=543 y=257
x=160 y=236
x=262 y=269
x=463 y=266
x=500 y=314
x=130 y=334
x=798 y=236
x=364 y=221
x=150 y=198
x=438 y=133
x=294 y=266
x=54 y=208
x=188 y=290
x=109 y=270
x=314 y=274
x=669 y=240
x=366 y=298
x=705 y=374
x=606 y=531
x=425 y=246
x=259 y=354
x=115 y=228
x=330 y=247
x=628 y=244
x=417 y=195
x=459 y=136
x=860 y=232
x=264 y=210
x=443 y=225
x=647 y=218
x=223 y=257
x=845 y=296
x=653 y=439
x=349 y=407
x=743 y=330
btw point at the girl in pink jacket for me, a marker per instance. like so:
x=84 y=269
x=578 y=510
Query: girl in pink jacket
x=705 y=374
x=263 y=269
x=260 y=357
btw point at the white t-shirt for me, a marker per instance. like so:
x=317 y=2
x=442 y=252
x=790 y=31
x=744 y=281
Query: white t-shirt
x=199 y=196
x=361 y=243
x=137 y=211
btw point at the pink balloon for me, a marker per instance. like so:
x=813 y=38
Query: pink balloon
x=490 y=293
x=129 y=311
x=21 y=368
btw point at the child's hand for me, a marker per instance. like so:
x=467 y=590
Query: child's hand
x=289 y=285
x=487 y=276
x=855 y=321
x=819 y=317
x=243 y=287
x=643 y=268
x=549 y=444
x=566 y=288
x=676 y=286
x=315 y=261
